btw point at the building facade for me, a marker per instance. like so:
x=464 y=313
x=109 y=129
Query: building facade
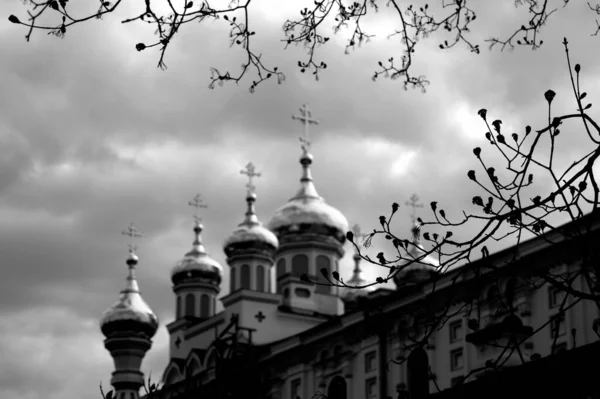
x=297 y=339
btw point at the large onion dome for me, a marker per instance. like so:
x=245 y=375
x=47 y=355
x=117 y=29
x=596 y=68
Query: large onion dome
x=196 y=263
x=130 y=312
x=423 y=266
x=352 y=294
x=308 y=210
x=250 y=234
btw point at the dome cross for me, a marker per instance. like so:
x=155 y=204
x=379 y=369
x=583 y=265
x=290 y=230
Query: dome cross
x=413 y=202
x=197 y=203
x=133 y=233
x=250 y=171
x=357 y=233
x=306 y=118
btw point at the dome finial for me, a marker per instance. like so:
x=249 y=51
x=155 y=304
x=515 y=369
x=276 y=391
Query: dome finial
x=197 y=203
x=307 y=188
x=413 y=202
x=357 y=237
x=132 y=260
x=250 y=171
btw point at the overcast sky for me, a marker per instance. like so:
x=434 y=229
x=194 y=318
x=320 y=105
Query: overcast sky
x=94 y=136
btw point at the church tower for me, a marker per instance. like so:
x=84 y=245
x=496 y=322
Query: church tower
x=311 y=238
x=196 y=283
x=128 y=326
x=250 y=249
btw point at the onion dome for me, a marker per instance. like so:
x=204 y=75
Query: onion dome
x=422 y=266
x=308 y=209
x=130 y=312
x=250 y=233
x=196 y=263
x=352 y=294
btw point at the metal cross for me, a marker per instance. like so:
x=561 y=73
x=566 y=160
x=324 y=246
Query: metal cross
x=133 y=233
x=357 y=234
x=250 y=171
x=413 y=203
x=260 y=316
x=196 y=202
x=306 y=119
x=178 y=342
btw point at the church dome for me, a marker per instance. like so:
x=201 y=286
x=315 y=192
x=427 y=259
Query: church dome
x=130 y=312
x=197 y=264
x=308 y=208
x=422 y=267
x=250 y=232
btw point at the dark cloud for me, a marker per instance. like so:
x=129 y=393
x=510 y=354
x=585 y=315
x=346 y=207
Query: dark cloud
x=93 y=136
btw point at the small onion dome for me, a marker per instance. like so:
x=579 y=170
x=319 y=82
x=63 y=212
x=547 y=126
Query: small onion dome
x=422 y=267
x=250 y=233
x=197 y=264
x=352 y=294
x=130 y=312
x=308 y=208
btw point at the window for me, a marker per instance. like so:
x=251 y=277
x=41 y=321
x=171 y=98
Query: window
x=323 y=262
x=337 y=388
x=299 y=265
x=456 y=359
x=260 y=278
x=204 y=306
x=178 y=311
x=190 y=308
x=371 y=388
x=370 y=359
x=295 y=388
x=456 y=381
x=560 y=347
x=557 y=326
x=302 y=293
x=456 y=331
x=232 y=282
x=555 y=297
x=245 y=277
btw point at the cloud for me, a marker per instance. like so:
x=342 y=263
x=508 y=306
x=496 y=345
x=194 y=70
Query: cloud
x=93 y=136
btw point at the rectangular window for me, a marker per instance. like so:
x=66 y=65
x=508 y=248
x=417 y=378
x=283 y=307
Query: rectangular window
x=555 y=297
x=370 y=359
x=456 y=381
x=295 y=388
x=560 y=347
x=456 y=331
x=557 y=326
x=456 y=359
x=371 y=388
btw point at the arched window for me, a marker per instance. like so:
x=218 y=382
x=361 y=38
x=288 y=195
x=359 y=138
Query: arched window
x=260 y=278
x=232 y=282
x=299 y=265
x=178 y=312
x=205 y=306
x=190 y=308
x=337 y=388
x=172 y=376
x=211 y=362
x=323 y=262
x=245 y=277
x=418 y=374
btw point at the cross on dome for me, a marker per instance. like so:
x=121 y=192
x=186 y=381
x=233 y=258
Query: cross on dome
x=197 y=203
x=133 y=233
x=413 y=202
x=306 y=118
x=250 y=171
x=357 y=233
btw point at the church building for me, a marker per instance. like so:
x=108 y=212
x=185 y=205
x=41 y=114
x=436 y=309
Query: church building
x=296 y=339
